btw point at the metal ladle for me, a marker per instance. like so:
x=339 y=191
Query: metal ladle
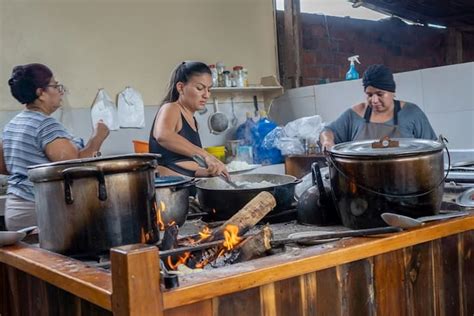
x=218 y=121
x=402 y=221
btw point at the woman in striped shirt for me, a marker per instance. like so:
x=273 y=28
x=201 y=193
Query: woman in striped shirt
x=34 y=137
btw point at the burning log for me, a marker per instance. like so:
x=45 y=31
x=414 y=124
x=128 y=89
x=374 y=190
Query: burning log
x=249 y=215
x=209 y=245
x=254 y=246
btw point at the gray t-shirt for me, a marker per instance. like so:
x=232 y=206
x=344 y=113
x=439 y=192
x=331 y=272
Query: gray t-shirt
x=412 y=123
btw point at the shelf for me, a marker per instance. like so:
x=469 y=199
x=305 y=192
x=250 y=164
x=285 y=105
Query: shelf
x=269 y=89
x=255 y=89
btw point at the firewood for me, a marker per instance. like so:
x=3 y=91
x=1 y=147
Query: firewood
x=249 y=215
x=254 y=246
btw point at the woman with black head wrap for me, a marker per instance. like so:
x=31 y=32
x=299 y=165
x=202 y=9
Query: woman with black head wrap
x=174 y=133
x=381 y=115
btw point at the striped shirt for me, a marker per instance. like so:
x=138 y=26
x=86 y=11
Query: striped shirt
x=24 y=142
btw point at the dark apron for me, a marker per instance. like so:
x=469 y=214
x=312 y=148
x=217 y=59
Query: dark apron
x=378 y=130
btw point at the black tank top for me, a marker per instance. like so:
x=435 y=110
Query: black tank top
x=168 y=158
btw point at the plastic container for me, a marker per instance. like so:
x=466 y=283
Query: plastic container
x=217 y=151
x=140 y=146
x=262 y=155
x=244 y=131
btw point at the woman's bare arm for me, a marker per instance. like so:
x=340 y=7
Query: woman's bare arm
x=64 y=149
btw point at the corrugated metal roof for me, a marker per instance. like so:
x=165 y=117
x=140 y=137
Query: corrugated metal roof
x=450 y=13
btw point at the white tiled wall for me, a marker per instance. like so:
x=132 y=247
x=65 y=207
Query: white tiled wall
x=120 y=141
x=446 y=95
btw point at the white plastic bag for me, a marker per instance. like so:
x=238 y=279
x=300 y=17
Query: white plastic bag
x=305 y=127
x=104 y=109
x=131 y=111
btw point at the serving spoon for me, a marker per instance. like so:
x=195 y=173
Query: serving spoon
x=202 y=163
x=402 y=221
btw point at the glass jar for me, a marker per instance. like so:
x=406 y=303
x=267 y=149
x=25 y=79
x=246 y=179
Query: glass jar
x=215 y=82
x=227 y=81
x=238 y=76
x=245 y=76
x=220 y=67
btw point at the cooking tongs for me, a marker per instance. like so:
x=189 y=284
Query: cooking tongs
x=203 y=164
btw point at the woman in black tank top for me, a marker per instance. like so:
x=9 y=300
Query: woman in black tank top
x=174 y=133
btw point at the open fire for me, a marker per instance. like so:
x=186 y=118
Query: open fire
x=226 y=243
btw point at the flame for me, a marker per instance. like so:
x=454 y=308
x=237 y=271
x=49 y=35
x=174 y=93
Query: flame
x=204 y=234
x=214 y=210
x=159 y=210
x=231 y=237
x=182 y=260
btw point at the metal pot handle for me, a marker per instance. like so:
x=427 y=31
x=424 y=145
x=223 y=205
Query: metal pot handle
x=74 y=172
x=185 y=185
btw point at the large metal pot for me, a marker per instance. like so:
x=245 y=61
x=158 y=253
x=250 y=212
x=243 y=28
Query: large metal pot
x=172 y=197
x=368 y=178
x=87 y=206
x=222 y=201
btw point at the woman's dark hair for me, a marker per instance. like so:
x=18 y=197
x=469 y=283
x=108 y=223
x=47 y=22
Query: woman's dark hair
x=182 y=73
x=26 y=79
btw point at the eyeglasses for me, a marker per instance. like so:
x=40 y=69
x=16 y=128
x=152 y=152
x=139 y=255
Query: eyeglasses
x=60 y=87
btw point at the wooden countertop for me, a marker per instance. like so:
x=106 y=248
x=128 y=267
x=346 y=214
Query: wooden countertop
x=95 y=285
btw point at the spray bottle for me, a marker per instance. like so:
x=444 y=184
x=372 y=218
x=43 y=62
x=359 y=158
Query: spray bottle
x=352 y=74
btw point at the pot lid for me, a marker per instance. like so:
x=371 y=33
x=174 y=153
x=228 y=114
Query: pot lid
x=106 y=165
x=466 y=199
x=387 y=147
x=168 y=181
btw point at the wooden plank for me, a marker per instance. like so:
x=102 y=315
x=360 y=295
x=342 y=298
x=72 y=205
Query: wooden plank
x=420 y=287
x=389 y=284
x=288 y=297
x=203 y=308
x=293 y=44
x=274 y=268
x=308 y=284
x=356 y=280
x=467 y=265
x=246 y=302
x=447 y=275
x=267 y=300
x=454 y=47
x=91 y=284
x=27 y=295
x=328 y=293
x=136 y=281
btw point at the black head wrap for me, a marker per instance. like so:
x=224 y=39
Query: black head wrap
x=380 y=77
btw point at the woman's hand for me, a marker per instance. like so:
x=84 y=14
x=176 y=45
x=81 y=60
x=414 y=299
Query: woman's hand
x=101 y=131
x=215 y=167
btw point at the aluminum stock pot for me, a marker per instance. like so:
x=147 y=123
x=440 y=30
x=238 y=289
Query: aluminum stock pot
x=87 y=206
x=368 y=178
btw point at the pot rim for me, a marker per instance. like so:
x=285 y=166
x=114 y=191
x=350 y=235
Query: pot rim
x=106 y=165
x=410 y=147
x=291 y=180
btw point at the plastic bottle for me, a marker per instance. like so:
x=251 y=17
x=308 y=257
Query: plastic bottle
x=262 y=155
x=244 y=131
x=352 y=74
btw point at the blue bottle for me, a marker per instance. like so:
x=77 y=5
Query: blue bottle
x=262 y=155
x=352 y=74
